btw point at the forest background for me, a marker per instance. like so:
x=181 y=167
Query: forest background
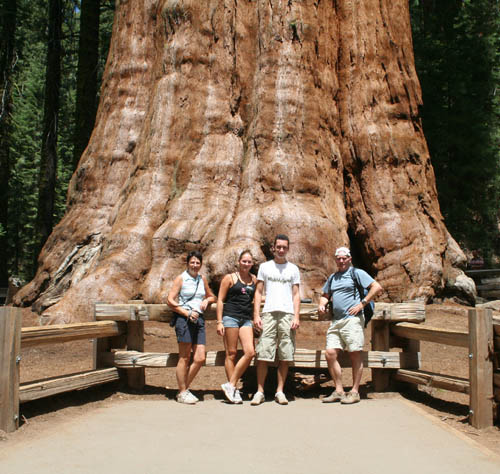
x=53 y=54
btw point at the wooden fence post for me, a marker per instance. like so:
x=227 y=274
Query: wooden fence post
x=103 y=345
x=10 y=350
x=481 y=367
x=135 y=342
x=380 y=342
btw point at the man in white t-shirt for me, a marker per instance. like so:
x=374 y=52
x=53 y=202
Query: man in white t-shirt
x=280 y=280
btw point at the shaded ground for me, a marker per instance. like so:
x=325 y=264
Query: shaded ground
x=45 y=361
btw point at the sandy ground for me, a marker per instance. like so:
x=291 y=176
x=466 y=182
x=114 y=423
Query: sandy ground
x=42 y=417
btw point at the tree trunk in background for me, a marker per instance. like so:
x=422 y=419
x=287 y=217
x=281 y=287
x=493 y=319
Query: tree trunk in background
x=48 y=157
x=86 y=81
x=7 y=60
x=222 y=123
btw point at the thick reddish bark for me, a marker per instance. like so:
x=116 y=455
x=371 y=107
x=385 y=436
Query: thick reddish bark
x=224 y=122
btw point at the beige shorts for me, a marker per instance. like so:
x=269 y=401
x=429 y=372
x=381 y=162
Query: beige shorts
x=346 y=334
x=277 y=333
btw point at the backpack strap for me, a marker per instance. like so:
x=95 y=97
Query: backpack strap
x=329 y=285
x=357 y=283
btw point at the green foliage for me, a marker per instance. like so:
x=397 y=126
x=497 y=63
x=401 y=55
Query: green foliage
x=456 y=47
x=27 y=115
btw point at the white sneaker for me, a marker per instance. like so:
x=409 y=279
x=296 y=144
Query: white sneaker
x=280 y=398
x=258 y=398
x=186 y=397
x=228 y=390
x=194 y=397
x=237 y=397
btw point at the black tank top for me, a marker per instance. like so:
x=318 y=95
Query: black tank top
x=239 y=300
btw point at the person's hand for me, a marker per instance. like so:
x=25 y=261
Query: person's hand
x=354 y=310
x=322 y=309
x=257 y=322
x=295 y=322
x=220 y=328
x=204 y=304
x=194 y=316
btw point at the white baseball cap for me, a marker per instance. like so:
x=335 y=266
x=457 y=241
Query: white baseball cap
x=342 y=252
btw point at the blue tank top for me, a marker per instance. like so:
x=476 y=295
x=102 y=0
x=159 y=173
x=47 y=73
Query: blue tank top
x=187 y=297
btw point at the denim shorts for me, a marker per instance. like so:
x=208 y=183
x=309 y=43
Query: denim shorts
x=190 y=332
x=236 y=322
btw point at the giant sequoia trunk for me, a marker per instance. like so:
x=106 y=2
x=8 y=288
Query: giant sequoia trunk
x=223 y=122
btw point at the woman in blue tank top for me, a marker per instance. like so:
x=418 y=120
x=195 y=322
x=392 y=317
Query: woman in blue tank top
x=234 y=321
x=189 y=298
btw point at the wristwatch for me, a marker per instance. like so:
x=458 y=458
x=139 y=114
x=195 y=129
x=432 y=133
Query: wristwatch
x=364 y=302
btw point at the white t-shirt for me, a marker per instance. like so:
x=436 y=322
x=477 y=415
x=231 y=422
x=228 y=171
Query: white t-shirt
x=278 y=279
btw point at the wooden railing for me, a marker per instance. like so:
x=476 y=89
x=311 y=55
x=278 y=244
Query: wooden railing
x=118 y=331
x=483 y=343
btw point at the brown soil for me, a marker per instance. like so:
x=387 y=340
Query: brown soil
x=65 y=358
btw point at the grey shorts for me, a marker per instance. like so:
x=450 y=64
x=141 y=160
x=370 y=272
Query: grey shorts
x=277 y=334
x=346 y=334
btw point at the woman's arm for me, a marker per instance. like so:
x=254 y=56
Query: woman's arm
x=225 y=284
x=209 y=296
x=173 y=296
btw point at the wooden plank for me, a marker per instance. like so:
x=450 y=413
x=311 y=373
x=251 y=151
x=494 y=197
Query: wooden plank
x=36 y=335
x=414 y=312
x=380 y=342
x=481 y=368
x=431 y=334
x=10 y=349
x=46 y=388
x=136 y=377
x=303 y=358
x=400 y=312
x=496 y=379
x=430 y=379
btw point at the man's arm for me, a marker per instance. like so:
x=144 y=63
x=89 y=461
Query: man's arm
x=323 y=301
x=296 y=306
x=373 y=290
x=257 y=299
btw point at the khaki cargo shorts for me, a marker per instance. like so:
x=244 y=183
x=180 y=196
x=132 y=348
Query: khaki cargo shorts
x=276 y=334
x=346 y=334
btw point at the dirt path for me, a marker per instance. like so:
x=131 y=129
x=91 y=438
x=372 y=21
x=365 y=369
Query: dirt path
x=149 y=437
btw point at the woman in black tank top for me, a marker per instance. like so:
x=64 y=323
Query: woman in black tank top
x=234 y=321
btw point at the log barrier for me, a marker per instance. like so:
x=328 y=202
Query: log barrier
x=118 y=334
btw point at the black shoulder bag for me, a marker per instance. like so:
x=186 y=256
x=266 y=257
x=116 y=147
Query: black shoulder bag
x=368 y=309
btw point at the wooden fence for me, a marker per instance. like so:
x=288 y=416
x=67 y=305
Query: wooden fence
x=118 y=331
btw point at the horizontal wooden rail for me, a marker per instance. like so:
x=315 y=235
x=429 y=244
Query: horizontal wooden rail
x=431 y=334
x=303 y=358
x=412 y=312
x=66 y=383
x=430 y=379
x=36 y=335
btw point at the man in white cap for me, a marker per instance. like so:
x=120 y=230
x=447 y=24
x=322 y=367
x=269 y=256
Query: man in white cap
x=346 y=331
